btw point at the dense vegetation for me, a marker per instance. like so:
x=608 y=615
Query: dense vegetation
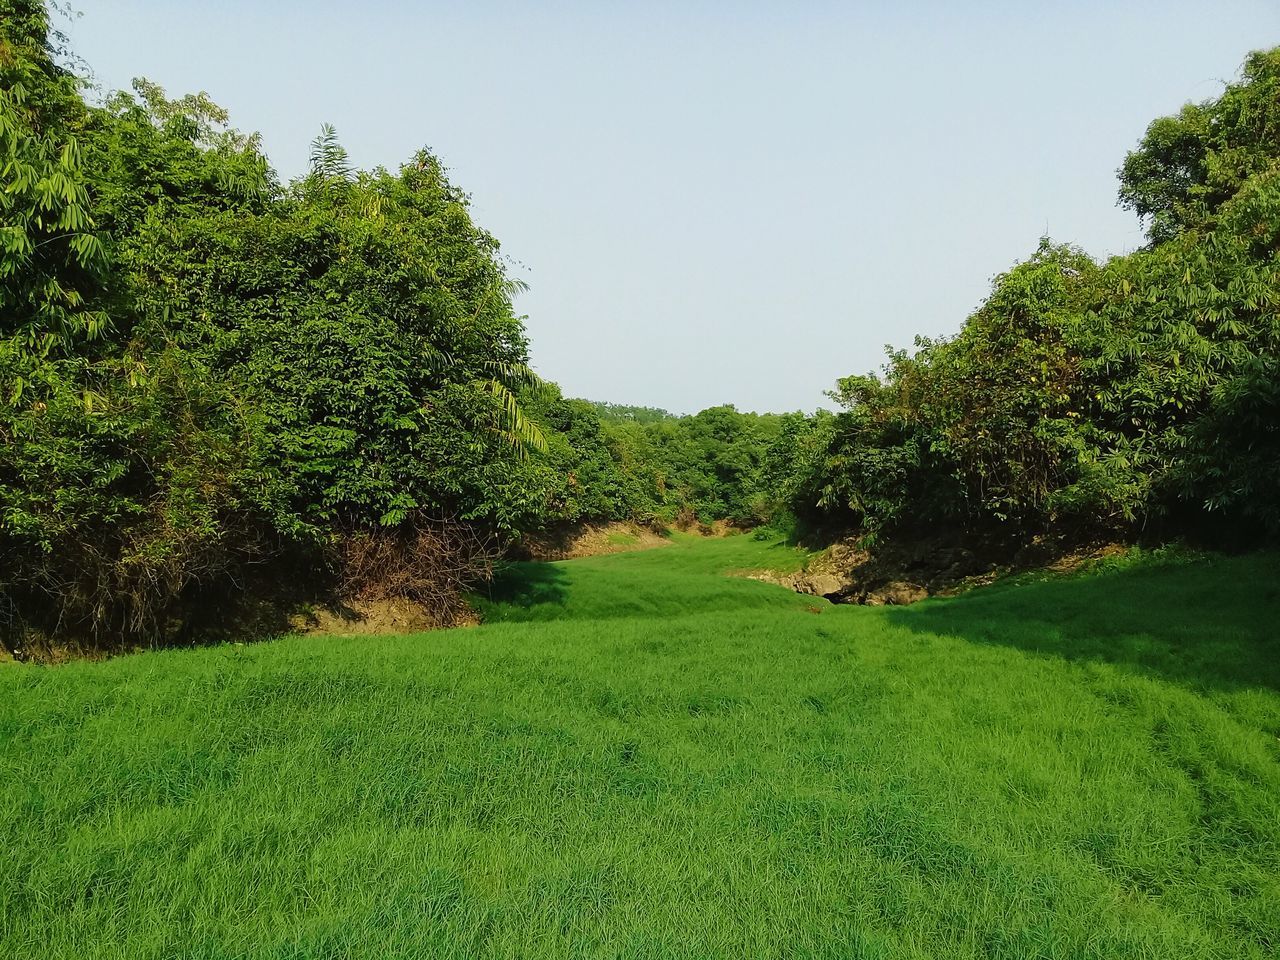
x=208 y=376
x=1092 y=396
x=204 y=369
x=639 y=757
x=687 y=470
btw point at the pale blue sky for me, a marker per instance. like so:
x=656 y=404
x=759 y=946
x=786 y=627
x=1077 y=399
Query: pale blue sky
x=716 y=202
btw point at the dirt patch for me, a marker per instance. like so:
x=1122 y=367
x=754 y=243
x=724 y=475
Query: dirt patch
x=371 y=617
x=904 y=573
x=688 y=522
x=716 y=528
x=35 y=647
x=328 y=619
x=592 y=540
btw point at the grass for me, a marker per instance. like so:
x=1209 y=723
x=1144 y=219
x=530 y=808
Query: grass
x=640 y=757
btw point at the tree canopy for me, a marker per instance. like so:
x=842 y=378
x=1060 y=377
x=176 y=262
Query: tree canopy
x=205 y=370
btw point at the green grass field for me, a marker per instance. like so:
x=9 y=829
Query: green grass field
x=640 y=757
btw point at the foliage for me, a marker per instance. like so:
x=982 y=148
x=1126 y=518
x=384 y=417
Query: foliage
x=695 y=469
x=581 y=474
x=629 y=414
x=1188 y=166
x=202 y=369
x=1085 y=396
x=369 y=320
x=51 y=258
x=613 y=462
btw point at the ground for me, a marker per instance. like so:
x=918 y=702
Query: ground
x=639 y=756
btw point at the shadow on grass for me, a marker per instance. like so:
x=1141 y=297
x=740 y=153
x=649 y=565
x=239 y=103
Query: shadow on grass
x=1213 y=623
x=524 y=586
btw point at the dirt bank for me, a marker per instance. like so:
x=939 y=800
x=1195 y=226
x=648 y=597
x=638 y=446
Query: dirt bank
x=900 y=574
x=591 y=540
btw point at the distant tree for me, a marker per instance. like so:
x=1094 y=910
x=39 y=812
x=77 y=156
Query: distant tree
x=628 y=414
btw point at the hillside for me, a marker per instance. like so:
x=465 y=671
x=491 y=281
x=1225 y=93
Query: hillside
x=639 y=757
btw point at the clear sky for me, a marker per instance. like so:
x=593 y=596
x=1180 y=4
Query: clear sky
x=718 y=202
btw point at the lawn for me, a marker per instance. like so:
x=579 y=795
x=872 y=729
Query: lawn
x=641 y=757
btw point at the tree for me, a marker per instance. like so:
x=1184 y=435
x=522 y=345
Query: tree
x=1187 y=166
x=51 y=258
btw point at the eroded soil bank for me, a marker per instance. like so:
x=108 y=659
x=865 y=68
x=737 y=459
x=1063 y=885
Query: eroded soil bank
x=905 y=573
x=591 y=540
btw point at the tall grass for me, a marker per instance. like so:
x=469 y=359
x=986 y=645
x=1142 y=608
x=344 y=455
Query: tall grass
x=641 y=757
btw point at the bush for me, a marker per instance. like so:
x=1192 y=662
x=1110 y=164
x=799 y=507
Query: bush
x=433 y=564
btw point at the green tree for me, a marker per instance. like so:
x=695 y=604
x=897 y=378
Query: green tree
x=51 y=257
x=1188 y=165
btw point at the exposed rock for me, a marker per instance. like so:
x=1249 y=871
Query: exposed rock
x=896 y=593
x=829 y=585
x=846 y=573
x=892 y=575
x=833 y=574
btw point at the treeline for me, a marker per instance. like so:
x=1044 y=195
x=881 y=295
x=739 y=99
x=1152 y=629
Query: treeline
x=646 y=465
x=211 y=378
x=1141 y=393
x=204 y=370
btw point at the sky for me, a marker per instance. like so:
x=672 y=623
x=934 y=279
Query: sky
x=718 y=202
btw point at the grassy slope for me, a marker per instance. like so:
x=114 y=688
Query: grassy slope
x=651 y=760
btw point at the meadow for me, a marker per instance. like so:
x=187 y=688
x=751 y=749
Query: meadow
x=639 y=756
